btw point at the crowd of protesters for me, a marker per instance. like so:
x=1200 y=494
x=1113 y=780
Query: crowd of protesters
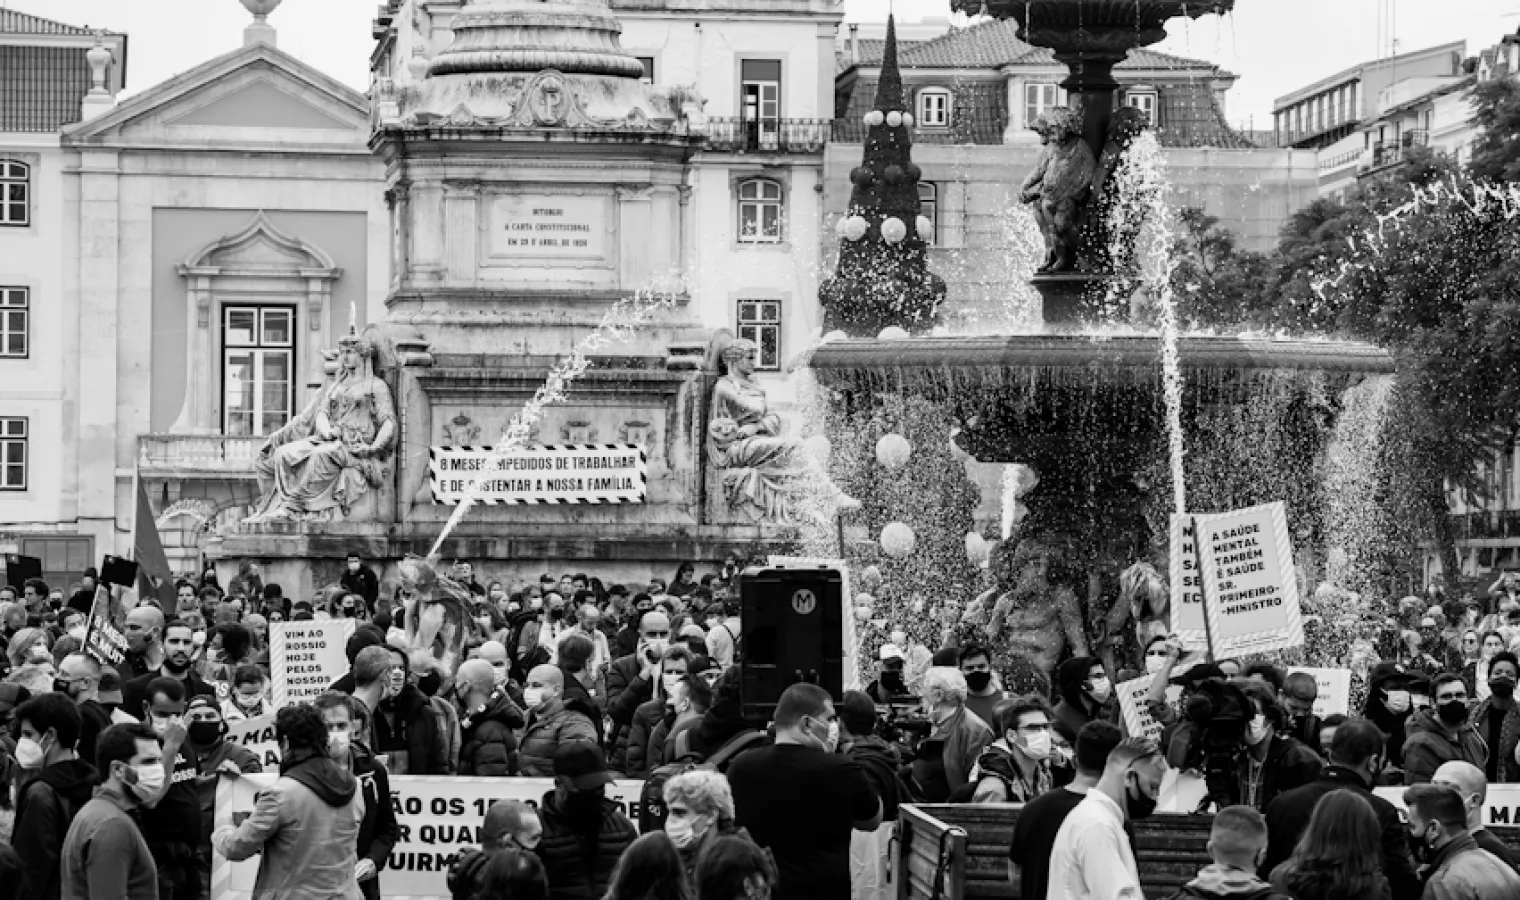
x=111 y=772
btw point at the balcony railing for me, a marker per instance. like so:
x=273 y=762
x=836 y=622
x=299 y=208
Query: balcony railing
x=730 y=134
x=213 y=453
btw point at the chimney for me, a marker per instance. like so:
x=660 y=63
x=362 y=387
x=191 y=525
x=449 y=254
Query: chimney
x=855 y=43
x=259 y=31
x=100 y=98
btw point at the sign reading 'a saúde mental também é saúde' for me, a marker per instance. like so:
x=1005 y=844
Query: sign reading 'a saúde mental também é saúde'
x=1250 y=588
x=563 y=473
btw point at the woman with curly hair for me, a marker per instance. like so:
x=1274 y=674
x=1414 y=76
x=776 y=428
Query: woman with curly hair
x=1338 y=856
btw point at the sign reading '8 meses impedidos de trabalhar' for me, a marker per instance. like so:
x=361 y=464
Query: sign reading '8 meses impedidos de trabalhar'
x=1250 y=587
x=550 y=473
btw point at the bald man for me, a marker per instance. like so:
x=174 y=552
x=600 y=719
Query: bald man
x=636 y=674
x=79 y=678
x=1471 y=783
x=144 y=631
x=495 y=653
x=488 y=722
x=551 y=724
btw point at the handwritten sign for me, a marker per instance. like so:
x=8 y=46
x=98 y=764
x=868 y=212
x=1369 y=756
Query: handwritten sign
x=437 y=818
x=1250 y=587
x=257 y=736
x=567 y=473
x=306 y=657
x=1186 y=584
x=550 y=227
x=1138 y=721
x=102 y=639
x=1334 y=697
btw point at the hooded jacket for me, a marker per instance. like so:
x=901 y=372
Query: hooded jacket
x=1221 y=882
x=580 y=866
x=413 y=731
x=1462 y=869
x=881 y=764
x=378 y=830
x=997 y=763
x=1427 y=745
x=305 y=827
x=44 y=812
x=489 y=738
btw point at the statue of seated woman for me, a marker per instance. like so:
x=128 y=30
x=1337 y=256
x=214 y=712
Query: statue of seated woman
x=766 y=476
x=319 y=465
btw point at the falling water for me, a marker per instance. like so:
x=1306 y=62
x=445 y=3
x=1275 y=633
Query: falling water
x=617 y=326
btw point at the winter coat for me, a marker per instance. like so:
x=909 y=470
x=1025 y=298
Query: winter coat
x=44 y=811
x=1005 y=781
x=1075 y=708
x=1288 y=819
x=580 y=868
x=1220 y=882
x=206 y=763
x=414 y=742
x=1289 y=764
x=377 y=831
x=640 y=760
x=363 y=582
x=965 y=737
x=489 y=744
x=1427 y=745
x=1462 y=870
x=105 y=854
x=1509 y=738
x=547 y=729
x=305 y=830
x=881 y=764
x=627 y=690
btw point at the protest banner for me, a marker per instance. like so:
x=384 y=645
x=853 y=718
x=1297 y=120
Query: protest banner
x=1250 y=586
x=1334 y=697
x=1138 y=721
x=306 y=657
x=547 y=473
x=437 y=817
x=1187 y=588
x=102 y=639
x=1501 y=808
x=257 y=736
x=850 y=661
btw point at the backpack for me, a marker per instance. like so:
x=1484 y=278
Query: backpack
x=652 y=796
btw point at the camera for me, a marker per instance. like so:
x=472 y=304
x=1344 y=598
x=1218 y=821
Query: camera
x=903 y=724
x=1220 y=713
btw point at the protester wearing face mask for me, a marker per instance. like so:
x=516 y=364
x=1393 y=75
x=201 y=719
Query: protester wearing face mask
x=1274 y=762
x=685 y=706
x=216 y=758
x=360 y=579
x=248 y=696
x=1497 y=718
x=1299 y=693
x=1017 y=767
x=78 y=679
x=172 y=823
x=488 y=722
x=802 y=800
x=584 y=832
x=105 y=854
x=635 y=676
x=1092 y=855
x=177 y=661
x=1086 y=694
x=59 y=784
x=1475 y=673
x=1389 y=705
x=1456 y=865
x=674 y=665
x=71 y=634
x=495 y=654
x=407 y=730
x=1468 y=781
x=956 y=739
x=890 y=684
x=699 y=809
x=982 y=691
x=551 y=722
x=1443 y=734
x=346 y=733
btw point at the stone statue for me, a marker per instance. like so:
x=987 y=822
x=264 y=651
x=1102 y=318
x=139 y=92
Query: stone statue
x=437 y=610
x=1059 y=185
x=1112 y=227
x=1032 y=618
x=767 y=476
x=318 y=465
x=1144 y=600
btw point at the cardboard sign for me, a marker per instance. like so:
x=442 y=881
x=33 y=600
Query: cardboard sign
x=438 y=817
x=306 y=657
x=1334 y=697
x=565 y=473
x=1138 y=721
x=102 y=639
x=850 y=661
x=1250 y=586
x=257 y=735
x=1501 y=808
x=1186 y=585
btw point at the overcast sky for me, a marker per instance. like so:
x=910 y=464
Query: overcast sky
x=1274 y=45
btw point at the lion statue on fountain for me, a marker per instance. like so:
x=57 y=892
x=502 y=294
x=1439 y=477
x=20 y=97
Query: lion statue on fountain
x=437 y=610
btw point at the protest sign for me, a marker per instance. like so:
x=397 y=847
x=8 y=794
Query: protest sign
x=1187 y=589
x=1181 y=792
x=1138 y=721
x=437 y=817
x=257 y=736
x=850 y=661
x=1501 y=808
x=306 y=657
x=1250 y=587
x=102 y=639
x=565 y=473
x=1334 y=697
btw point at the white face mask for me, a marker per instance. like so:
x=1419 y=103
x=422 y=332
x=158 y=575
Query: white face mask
x=1154 y=664
x=161 y=725
x=150 y=779
x=831 y=742
x=535 y=603
x=682 y=832
x=1257 y=730
x=534 y=697
x=1037 y=746
x=338 y=742
x=669 y=680
x=499 y=674
x=29 y=753
x=1398 y=701
x=1101 y=689
x=77 y=633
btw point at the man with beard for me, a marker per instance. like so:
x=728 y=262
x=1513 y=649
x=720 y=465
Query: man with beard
x=176 y=653
x=78 y=679
x=584 y=833
x=144 y=629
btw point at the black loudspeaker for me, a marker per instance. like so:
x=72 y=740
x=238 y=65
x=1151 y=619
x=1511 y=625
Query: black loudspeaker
x=792 y=629
x=19 y=568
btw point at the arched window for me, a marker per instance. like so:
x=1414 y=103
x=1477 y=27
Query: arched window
x=934 y=108
x=928 y=206
x=15 y=193
x=760 y=211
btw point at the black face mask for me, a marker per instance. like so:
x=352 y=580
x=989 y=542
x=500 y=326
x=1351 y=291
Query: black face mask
x=1453 y=713
x=204 y=734
x=978 y=681
x=892 y=681
x=430 y=683
x=1137 y=804
x=1503 y=688
x=63 y=687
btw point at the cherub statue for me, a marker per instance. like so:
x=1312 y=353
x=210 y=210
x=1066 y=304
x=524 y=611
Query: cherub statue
x=437 y=610
x=1059 y=185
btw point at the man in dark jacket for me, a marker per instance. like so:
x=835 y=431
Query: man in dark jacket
x=178 y=663
x=1356 y=758
x=360 y=579
x=584 y=833
x=1443 y=734
x=857 y=736
x=1237 y=838
x=1086 y=693
x=215 y=758
x=1274 y=761
x=488 y=720
x=634 y=675
x=49 y=727
x=406 y=729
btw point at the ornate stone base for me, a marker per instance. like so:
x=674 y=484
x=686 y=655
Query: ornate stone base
x=1062 y=295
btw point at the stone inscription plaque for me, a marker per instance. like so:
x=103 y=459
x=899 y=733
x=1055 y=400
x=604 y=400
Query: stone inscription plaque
x=535 y=228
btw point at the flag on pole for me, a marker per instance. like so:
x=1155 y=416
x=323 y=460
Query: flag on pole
x=154 y=577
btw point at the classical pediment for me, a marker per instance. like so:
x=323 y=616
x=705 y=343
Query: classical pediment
x=261 y=248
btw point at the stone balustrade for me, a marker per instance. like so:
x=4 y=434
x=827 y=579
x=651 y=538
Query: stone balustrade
x=218 y=453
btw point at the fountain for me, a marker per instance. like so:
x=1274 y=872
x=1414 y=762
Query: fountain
x=1084 y=402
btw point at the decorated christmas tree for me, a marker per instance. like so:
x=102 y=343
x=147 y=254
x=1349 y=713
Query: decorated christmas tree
x=883 y=278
